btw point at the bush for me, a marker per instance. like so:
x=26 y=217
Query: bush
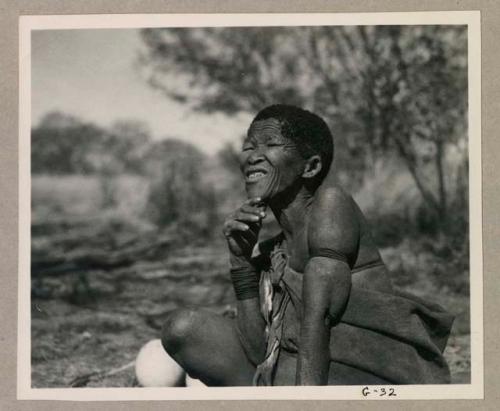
x=179 y=193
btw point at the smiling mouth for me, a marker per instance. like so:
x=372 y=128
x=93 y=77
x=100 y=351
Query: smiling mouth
x=255 y=175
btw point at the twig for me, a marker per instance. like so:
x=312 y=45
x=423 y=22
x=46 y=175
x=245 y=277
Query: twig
x=83 y=380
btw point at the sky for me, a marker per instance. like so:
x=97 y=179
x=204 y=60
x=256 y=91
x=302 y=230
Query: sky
x=89 y=73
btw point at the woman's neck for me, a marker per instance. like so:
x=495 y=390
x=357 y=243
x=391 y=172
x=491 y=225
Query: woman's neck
x=291 y=215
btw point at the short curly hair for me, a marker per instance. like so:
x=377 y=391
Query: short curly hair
x=307 y=130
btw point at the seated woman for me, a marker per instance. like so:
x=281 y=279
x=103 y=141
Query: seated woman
x=315 y=305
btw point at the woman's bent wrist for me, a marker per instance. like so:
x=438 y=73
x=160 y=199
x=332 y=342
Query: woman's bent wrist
x=237 y=261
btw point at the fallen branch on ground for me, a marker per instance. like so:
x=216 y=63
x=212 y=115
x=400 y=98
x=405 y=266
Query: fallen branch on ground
x=84 y=380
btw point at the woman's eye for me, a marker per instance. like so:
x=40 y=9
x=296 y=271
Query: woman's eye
x=247 y=148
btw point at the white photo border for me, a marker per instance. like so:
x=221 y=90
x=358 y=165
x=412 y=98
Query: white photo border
x=474 y=390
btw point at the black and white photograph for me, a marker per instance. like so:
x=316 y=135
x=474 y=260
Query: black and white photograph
x=250 y=202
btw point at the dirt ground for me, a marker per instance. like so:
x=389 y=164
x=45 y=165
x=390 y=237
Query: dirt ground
x=87 y=324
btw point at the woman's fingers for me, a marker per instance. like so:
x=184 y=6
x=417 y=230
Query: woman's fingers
x=254 y=206
x=252 y=209
x=247 y=217
x=245 y=221
x=253 y=201
x=240 y=231
x=247 y=208
x=233 y=225
x=242 y=227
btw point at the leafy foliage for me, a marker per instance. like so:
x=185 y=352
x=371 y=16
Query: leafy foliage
x=384 y=90
x=63 y=144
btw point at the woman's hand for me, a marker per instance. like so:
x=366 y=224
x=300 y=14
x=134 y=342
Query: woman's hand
x=242 y=227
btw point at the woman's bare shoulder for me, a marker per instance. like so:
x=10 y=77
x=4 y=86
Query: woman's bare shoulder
x=333 y=201
x=334 y=221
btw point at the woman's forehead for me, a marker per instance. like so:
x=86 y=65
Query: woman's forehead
x=267 y=128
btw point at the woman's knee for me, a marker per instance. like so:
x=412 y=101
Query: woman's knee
x=179 y=328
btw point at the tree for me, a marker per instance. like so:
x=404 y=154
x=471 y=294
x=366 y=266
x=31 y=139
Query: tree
x=383 y=89
x=418 y=80
x=129 y=140
x=63 y=144
x=178 y=192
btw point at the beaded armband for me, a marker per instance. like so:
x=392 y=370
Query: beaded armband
x=245 y=282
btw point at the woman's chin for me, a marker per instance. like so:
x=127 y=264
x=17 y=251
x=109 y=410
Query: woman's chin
x=254 y=191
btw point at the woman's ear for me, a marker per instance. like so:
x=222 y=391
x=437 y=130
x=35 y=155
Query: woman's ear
x=313 y=166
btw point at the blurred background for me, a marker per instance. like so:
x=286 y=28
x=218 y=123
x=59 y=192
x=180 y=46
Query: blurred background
x=135 y=136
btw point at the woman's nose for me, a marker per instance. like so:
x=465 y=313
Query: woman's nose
x=256 y=157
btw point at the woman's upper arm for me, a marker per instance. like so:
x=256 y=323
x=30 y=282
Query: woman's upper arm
x=334 y=227
x=333 y=245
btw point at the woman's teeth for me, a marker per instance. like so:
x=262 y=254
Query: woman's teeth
x=255 y=175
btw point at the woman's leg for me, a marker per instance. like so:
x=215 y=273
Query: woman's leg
x=207 y=346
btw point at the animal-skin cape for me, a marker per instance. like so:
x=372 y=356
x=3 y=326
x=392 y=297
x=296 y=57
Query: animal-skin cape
x=394 y=337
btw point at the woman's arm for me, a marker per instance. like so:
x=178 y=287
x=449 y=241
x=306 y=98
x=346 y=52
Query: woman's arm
x=251 y=325
x=241 y=230
x=333 y=236
x=326 y=288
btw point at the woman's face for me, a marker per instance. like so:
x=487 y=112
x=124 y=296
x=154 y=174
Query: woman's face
x=270 y=162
